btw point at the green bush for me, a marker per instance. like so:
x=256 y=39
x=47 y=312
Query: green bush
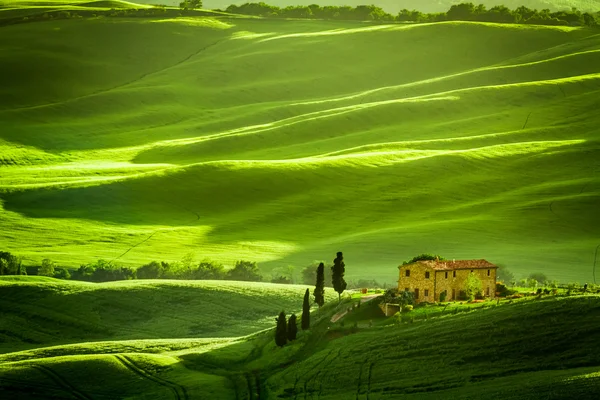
x=407 y=308
x=443 y=296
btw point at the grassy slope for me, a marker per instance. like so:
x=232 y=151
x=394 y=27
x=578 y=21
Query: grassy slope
x=43 y=312
x=528 y=350
x=285 y=141
x=525 y=350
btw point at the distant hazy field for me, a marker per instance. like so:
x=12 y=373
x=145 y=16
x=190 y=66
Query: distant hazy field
x=283 y=142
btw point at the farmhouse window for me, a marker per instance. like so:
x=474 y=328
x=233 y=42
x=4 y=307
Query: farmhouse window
x=426 y=292
x=488 y=272
x=487 y=291
x=406 y=289
x=453 y=294
x=416 y=293
x=408 y=272
x=426 y=276
x=454 y=274
x=446 y=274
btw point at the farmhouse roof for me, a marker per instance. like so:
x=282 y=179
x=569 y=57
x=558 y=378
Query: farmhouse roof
x=456 y=264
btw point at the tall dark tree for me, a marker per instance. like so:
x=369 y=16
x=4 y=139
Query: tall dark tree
x=319 y=292
x=337 y=275
x=292 y=328
x=306 y=311
x=281 y=331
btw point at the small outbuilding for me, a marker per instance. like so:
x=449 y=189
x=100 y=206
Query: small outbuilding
x=428 y=279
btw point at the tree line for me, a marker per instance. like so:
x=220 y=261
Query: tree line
x=187 y=268
x=286 y=330
x=457 y=12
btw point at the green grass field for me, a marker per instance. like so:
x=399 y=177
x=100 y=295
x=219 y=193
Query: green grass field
x=527 y=349
x=41 y=312
x=283 y=142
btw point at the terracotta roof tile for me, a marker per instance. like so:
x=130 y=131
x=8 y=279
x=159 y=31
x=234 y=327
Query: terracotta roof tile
x=457 y=264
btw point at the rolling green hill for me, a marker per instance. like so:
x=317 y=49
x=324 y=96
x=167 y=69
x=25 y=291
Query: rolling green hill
x=283 y=142
x=525 y=350
x=40 y=312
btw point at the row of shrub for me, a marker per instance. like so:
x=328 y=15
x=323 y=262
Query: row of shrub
x=187 y=268
x=458 y=12
x=153 y=12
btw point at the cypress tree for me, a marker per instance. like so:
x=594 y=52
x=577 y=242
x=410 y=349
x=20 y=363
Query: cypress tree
x=281 y=331
x=337 y=275
x=319 y=292
x=306 y=311
x=292 y=328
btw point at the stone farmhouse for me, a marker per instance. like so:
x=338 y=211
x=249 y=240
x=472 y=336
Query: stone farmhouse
x=428 y=279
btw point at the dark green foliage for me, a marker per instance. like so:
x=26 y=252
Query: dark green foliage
x=210 y=270
x=281 y=330
x=360 y=13
x=47 y=268
x=424 y=257
x=103 y=271
x=364 y=283
x=153 y=270
x=405 y=298
x=473 y=287
x=457 y=12
x=389 y=296
x=10 y=264
x=319 y=291
x=292 y=328
x=306 y=311
x=190 y=4
x=244 y=271
x=443 y=296
x=503 y=290
x=402 y=298
x=308 y=275
x=62 y=273
x=337 y=274
x=539 y=277
x=282 y=279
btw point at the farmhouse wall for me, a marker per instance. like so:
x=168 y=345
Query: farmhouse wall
x=458 y=283
x=418 y=280
x=450 y=280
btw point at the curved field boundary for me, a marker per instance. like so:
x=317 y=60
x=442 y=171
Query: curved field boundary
x=62 y=382
x=178 y=391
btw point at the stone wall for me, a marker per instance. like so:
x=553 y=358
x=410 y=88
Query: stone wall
x=457 y=283
x=429 y=288
x=418 y=280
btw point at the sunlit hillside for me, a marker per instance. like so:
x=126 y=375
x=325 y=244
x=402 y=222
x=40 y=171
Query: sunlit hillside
x=526 y=350
x=283 y=142
x=41 y=312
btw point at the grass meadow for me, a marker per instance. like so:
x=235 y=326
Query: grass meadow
x=41 y=312
x=284 y=141
x=528 y=349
